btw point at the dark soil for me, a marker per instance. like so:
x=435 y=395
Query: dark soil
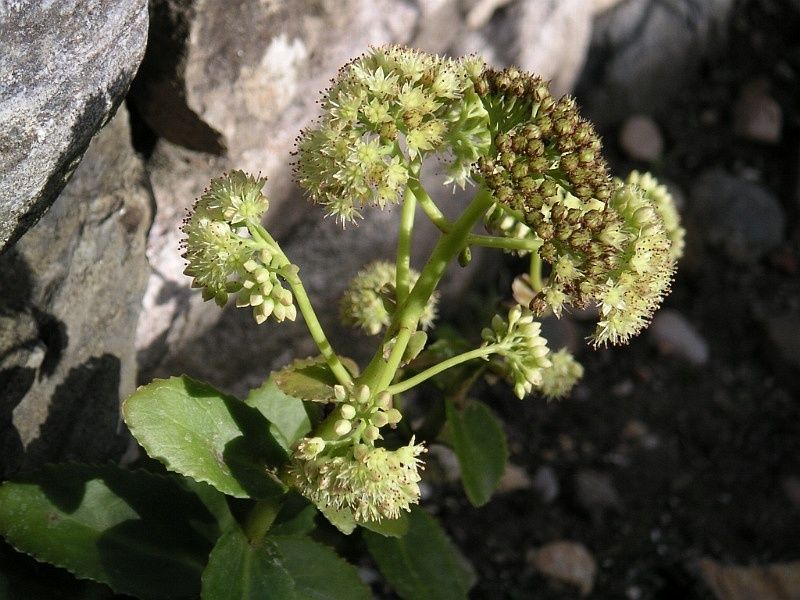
x=707 y=475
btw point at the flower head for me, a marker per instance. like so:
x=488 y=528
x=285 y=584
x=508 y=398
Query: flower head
x=561 y=376
x=368 y=299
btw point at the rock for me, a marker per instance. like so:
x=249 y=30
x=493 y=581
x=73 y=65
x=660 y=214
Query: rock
x=64 y=68
x=782 y=331
x=570 y=562
x=643 y=52
x=70 y=295
x=671 y=333
x=770 y=582
x=545 y=482
x=791 y=487
x=595 y=491
x=641 y=139
x=547 y=37
x=757 y=115
x=601 y=6
x=514 y=478
x=739 y=216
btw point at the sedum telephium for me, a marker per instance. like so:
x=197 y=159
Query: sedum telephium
x=543 y=191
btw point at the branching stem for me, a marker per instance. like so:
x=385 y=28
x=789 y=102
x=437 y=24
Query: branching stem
x=411 y=382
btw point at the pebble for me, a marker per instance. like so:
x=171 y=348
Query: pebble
x=514 y=478
x=778 y=581
x=791 y=487
x=545 y=483
x=672 y=334
x=757 y=115
x=741 y=217
x=570 y=562
x=641 y=139
x=596 y=491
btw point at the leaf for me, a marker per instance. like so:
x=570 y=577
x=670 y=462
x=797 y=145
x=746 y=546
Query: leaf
x=140 y=533
x=199 y=432
x=296 y=517
x=480 y=445
x=318 y=572
x=310 y=378
x=237 y=570
x=389 y=527
x=278 y=568
x=287 y=415
x=424 y=564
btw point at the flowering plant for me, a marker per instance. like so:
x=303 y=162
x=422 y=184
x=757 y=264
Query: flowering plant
x=321 y=434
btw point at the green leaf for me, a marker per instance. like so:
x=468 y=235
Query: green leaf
x=140 y=533
x=480 y=445
x=424 y=564
x=287 y=415
x=199 y=432
x=296 y=517
x=318 y=572
x=238 y=570
x=389 y=527
x=310 y=378
x=278 y=568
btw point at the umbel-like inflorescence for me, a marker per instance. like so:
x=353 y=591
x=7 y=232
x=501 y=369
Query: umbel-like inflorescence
x=368 y=301
x=543 y=190
x=228 y=251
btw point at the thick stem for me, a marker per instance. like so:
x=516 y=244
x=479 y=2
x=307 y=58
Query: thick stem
x=491 y=241
x=379 y=373
x=404 y=246
x=261 y=518
x=411 y=382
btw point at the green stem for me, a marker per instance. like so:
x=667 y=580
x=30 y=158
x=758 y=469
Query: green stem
x=491 y=241
x=306 y=309
x=429 y=206
x=411 y=382
x=536 y=272
x=379 y=373
x=261 y=518
x=404 y=246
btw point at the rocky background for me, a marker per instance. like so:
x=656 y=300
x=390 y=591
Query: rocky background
x=703 y=92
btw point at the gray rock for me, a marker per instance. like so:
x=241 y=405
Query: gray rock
x=641 y=139
x=757 y=115
x=739 y=216
x=70 y=296
x=643 y=52
x=547 y=37
x=673 y=334
x=545 y=482
x=595 y=491
x=64 y=68
x=567 y=561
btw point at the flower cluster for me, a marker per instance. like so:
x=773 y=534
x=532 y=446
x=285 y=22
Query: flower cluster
x=608 y=243
x=227 y=251
x=385 y=109
x=368 y=302
x=561 y=376
x=523 y=350
x=664 y=205
x=345 y=474
x=363 y=484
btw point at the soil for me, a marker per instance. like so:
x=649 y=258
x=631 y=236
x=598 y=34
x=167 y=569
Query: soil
x=699 y=457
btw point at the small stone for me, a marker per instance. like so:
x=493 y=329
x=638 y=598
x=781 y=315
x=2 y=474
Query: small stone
x=514 y=478
x=757 y=115
x=634 y=430
x=791 y=487
x=739 y=216
x=570 y=562
x=595 y=490
x=769 y=582
x=673 y=334
x=641 y=139
x=545 y=482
